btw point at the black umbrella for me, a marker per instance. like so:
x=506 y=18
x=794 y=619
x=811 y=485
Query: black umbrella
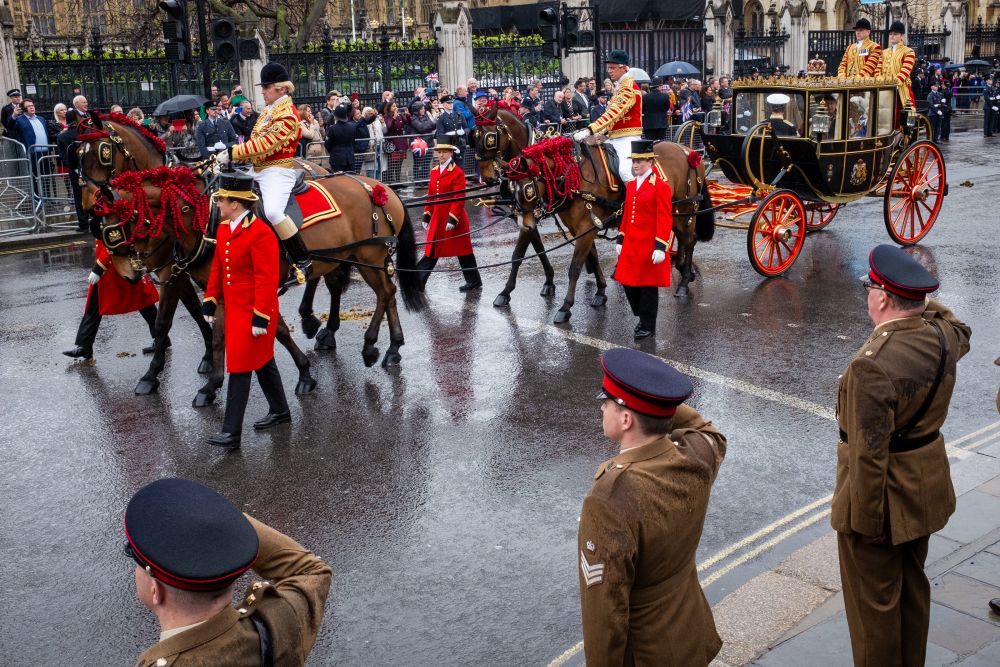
x=178 y=104
x=677 y=68
x=977 y=63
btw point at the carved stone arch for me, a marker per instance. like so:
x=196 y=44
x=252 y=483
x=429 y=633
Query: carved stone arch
x=754 y=20
x=845 y=14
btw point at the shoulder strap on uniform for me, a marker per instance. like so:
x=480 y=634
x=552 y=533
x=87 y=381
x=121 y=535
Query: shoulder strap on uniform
x=903 y=432
x=266 y=654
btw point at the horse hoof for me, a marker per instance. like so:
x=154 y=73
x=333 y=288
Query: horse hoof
x=562 y=316
x=147 y=387
x=203 y=399
x=548 y=289
x=370 y=356
x=310 y=325
x=391 y=359
x=681 y=291
x=599 y=300
x=326 y=340
x=305 y=386
x=501 y=300
x=205 y=367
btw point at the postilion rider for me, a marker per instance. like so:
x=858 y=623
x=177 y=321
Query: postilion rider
x=623 y=119
x=271 y=149
x=863 y=57
x=244 y=278
x=642 y=521
x=644 y=238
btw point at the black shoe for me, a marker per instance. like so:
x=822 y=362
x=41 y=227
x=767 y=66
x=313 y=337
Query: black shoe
x=225 y=440
x=80 y=353
x=995 y=605
x=641 y=333
x=151 y=348
x=468 y=287
x=272 y=419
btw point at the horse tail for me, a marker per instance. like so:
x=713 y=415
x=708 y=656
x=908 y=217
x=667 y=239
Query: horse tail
x=704 y=225
x=414 y=298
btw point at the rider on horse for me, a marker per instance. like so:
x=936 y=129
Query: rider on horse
x=270 y=149
x=623 y=119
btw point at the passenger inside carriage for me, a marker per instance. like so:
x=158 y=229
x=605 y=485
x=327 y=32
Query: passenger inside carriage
x=753 y=107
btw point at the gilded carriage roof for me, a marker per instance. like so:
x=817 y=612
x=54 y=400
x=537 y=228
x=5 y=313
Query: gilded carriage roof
x=813 y=83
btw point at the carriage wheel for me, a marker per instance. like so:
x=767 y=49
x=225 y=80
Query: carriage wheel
x=776 y=233
x=687 y=135
x=915 y=193
x=819 y=215
x=923 y=132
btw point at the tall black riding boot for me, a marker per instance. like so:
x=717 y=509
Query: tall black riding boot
x=299 y=255
x=471 y=273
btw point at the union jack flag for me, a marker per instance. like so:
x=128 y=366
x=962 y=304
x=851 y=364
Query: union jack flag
x=433 y=78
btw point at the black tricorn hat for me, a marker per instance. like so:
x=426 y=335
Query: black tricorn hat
x=863 y=24
x=897 y=26
x=273 y=73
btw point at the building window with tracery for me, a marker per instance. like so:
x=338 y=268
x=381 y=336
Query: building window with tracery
x=43 y=17
x=753 y=18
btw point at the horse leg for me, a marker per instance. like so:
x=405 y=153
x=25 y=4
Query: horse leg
x=685 y=246
x=594 y=262
x=580 y=253
x=306 y=382
x=369 y=353
x=523 y=238
x=326 y=339
x=549 y=286
x=206 y=394
x=189 y=297
x=150 y=382
x=387 y=292
x=310 y=323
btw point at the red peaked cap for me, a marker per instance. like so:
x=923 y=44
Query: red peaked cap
x=643 y=383
x=899 y=273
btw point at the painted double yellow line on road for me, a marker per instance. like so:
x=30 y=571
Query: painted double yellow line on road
x=36 y=248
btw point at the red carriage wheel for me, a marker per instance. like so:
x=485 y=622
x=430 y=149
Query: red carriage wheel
x=819 y=215
x=913 y=198
x=776 y=233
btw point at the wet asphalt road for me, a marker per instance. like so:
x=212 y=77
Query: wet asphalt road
x=445 y=495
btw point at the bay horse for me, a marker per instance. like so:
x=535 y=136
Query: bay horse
x=581 y=188
x=365 y=235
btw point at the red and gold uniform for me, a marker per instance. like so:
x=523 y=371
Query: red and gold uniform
x=622 y=121
x=647 y=225
x=244 y=277
x=274 y=139
x=861 y=59
x=897 y=63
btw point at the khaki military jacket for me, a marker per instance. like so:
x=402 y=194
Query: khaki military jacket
x=909 y=494
x=639 y=531
x=290 y=604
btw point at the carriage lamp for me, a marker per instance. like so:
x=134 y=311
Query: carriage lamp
x=714 y=117
x=909 y=117
x=821 y=121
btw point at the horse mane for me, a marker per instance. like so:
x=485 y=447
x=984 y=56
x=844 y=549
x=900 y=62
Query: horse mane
x=554 y=161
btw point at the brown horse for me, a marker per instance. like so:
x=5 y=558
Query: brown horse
x=596 y=203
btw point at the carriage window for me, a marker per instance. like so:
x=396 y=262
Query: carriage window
x=752 y=107
x=859 y=105
x=886 y=112
x=829 y=103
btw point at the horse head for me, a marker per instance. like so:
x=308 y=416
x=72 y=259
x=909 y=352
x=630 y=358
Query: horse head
x=500 y=139
x=108 y=147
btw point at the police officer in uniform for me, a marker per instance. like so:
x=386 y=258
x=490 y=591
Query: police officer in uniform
x=893 y=479
x=991 y=106
x=642 y=520
x=190 y=545
x=271 y=148
x=936 y=110
x=244 y=277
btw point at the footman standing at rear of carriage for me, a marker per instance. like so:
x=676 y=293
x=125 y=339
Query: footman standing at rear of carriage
x=644 y=238
x=893 y=480
x=642 y=520
x=244 y=278
x=447 y=223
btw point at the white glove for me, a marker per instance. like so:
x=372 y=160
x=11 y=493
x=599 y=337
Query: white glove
x=426 y=222
x=461 y=131
x=93 y=278
x=450 y=226
x=259 y=331
x=659 y=256
x=222 y=157
x=996 y=108
x=618 y=248
x=219 y=146
x=210 y=319
x=580 y=135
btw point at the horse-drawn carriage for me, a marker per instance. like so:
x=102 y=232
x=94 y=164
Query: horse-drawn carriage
x=805 y=147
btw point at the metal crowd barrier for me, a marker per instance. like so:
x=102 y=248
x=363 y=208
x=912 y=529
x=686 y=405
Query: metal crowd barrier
x=17 y=190
x=54 y=205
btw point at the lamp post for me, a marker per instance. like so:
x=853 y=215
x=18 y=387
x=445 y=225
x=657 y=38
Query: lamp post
x=354 y=31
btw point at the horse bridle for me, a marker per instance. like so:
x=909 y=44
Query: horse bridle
x=106 y=154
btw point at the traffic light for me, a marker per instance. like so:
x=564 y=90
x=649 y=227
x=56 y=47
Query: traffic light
x=225 y=40
x=570 y=31
x=175 y=30
x=548 y=27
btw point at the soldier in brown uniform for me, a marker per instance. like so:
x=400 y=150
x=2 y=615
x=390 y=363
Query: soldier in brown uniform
x=893 y=481
x=189 y=586
x=642 y=521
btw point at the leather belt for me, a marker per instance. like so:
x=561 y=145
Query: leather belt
x=642 y=596
x=897 y=446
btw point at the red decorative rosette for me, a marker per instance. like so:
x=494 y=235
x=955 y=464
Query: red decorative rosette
x=534 y=170
x=694 y=159
x=380 y=197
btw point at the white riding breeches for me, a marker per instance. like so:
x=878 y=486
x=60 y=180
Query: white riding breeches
x=623 y=147
x=276 y=185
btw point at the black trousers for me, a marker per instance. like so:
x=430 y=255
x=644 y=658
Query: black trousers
x=467 y=262
x=82 y=217
x=91 y=321
x=654 y=133
x=946 y=127
x=239 y=393
x=989 y=119
x=645 y=301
